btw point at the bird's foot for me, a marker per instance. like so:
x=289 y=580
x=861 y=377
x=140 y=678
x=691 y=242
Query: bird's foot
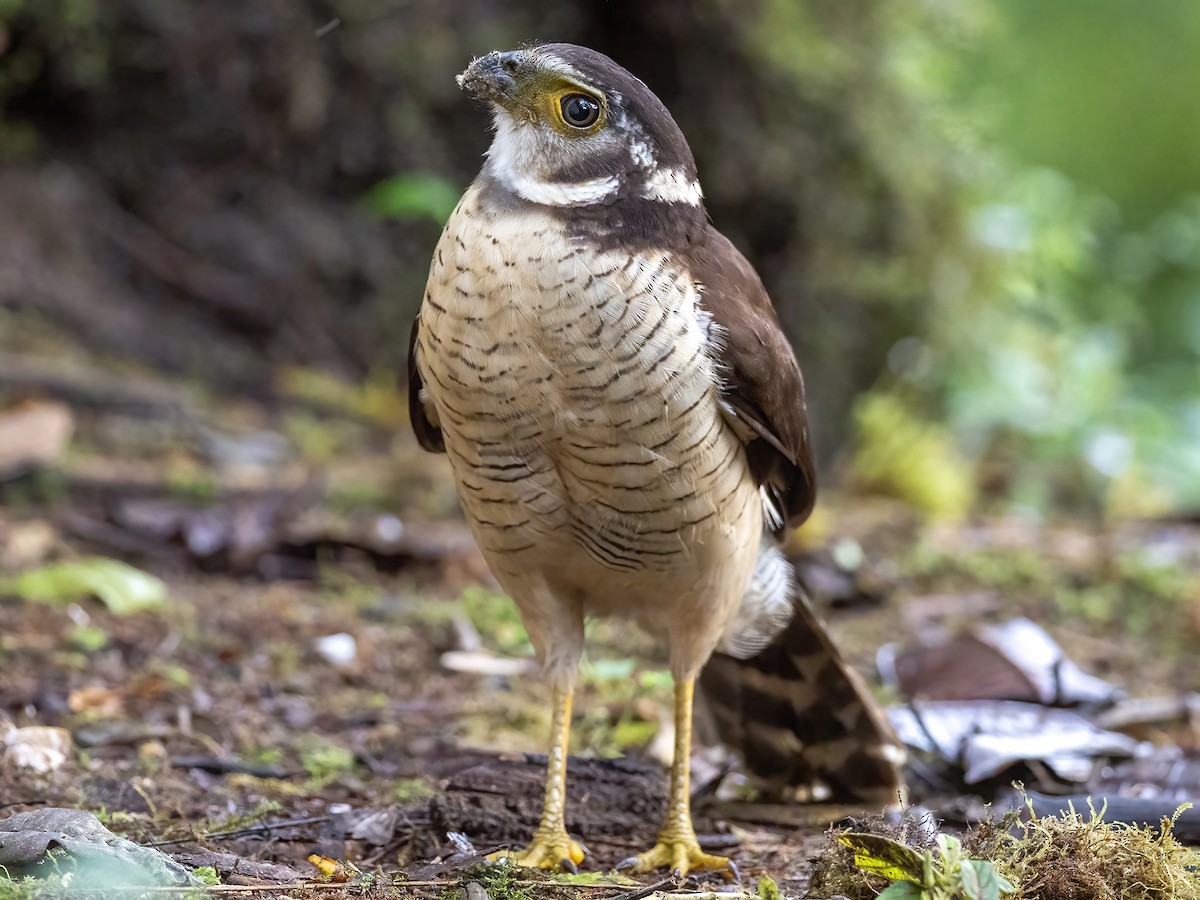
x=550 y=849
x=679 y=853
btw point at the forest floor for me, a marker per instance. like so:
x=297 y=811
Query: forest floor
x=332 y=671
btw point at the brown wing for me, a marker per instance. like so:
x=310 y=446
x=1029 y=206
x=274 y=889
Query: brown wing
x=429 y=436
x=762 y=380
x=797 y=712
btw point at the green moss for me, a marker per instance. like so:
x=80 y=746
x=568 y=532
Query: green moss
x=207 y=875
x=32 y=888
x=234 y=821
x=1078 y=855
x=192 y=486
x=593 y=878
x=496 y=619
x=320 y=439
x=410 y=790
x=325 y=761
x=1130 y=590
x=1055 y=858
x=262 y=756
x=501 y=881
x=337 y=585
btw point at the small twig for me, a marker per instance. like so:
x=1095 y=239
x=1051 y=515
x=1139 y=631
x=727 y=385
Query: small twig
x=638 y=894
x=331 y=25
x=244 y=888
x=262 y=827
x=669 y=882
x=224 y=888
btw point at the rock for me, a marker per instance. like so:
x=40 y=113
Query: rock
x=48 y=841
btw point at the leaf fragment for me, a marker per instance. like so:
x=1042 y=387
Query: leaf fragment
x=333 y=870
x=902 y=890
x=981 y=881
x=120 y=587
x=882 y=856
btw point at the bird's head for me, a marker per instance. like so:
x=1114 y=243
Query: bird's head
x=575 y=129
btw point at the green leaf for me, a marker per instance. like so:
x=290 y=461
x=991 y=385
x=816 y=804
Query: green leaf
x=414 y=195
x=980 y=881
x=89 y=638
x=949 y=847
x=969 y=875
x=767 y=888
x=951 y=850
x=120 y=587
x=902 y=890
x=881 y=856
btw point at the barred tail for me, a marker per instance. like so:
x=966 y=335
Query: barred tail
x=801 y=717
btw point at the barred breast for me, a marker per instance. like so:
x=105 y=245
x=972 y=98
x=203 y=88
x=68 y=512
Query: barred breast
x=581 y=414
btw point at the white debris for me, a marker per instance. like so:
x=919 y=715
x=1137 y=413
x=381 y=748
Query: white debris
x=480 y=662
x=339 y=649
x=42 y=748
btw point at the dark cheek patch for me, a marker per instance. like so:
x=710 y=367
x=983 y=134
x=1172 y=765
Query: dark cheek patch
x=610 y=161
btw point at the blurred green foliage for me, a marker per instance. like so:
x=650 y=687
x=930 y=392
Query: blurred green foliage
x=414 y=195
x=903 y=457
x=1078 y=376
x=72 y=41
x=1101 y=90
x=1062 y=352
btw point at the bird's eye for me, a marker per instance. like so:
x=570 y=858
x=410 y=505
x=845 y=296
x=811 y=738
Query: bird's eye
x=579 y=110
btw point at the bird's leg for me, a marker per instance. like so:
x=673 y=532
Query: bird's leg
x=551 y=848
x=677 y=848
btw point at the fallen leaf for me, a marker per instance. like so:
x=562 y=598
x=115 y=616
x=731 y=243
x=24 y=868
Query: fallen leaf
x=120 y=587
x=881 y=856
x=1014 y=661
x=332 y=869
x=984 y=738
x=96 y=700
x=32 y=435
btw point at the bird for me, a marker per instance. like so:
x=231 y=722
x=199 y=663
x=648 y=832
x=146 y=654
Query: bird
x=623 y=415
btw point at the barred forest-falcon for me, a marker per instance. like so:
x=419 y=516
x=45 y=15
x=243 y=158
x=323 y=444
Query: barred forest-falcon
x=626 y=425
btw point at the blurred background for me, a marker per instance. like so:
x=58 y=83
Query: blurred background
x=980 y=220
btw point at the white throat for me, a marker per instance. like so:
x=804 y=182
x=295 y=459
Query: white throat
x=514 y=159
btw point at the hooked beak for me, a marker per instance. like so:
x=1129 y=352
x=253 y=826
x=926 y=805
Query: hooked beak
x=494 y=77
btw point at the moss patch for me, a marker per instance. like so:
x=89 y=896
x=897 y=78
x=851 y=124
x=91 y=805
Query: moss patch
x=1063 y=857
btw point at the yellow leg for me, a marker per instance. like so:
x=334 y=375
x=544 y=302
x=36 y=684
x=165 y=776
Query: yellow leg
x=551 y=848
x=677 y=848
